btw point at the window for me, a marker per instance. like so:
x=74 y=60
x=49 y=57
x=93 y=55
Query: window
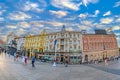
x=70 y=41
x=54 y=36
x=70 y=46
x=74 y=36
x=74 y=46
x=74 y=41
x=66 y=35
x=79 y=47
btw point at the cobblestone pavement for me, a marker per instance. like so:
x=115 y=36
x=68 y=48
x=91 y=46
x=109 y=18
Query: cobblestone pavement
x=10 y=70
x=112 y=67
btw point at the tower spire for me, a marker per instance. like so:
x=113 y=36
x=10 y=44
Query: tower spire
x=63 y=28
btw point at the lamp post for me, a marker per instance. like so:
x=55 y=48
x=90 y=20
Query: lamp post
x=55 y=41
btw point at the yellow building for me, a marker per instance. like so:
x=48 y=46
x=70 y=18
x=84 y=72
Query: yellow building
x=35 y=44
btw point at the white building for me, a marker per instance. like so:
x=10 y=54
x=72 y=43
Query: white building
x=68 y=45
x=20 y=42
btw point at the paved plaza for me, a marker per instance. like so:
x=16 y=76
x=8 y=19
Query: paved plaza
x=11 y=70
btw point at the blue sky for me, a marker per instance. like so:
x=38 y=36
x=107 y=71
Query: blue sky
x=23 y=16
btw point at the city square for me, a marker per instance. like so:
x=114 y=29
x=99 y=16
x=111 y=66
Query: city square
x=59 y=40
x=12 y=70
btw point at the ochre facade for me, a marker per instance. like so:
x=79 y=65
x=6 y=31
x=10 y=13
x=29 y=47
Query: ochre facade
x=35 y=43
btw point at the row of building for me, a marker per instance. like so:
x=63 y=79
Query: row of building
x=74 y=46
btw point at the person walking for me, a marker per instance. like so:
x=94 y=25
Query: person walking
x=17 y=57
x=23 y=59
x=66 y=62
x=106 y=61
x=33 y=61
x=14 y=56
x=26 y=59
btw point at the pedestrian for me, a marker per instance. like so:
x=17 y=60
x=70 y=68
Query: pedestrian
x=106 y=61
x=33 y=61
x=5 y=52
x=26 y=59
x=23 y=59
x=14 y=56
x=66 y=63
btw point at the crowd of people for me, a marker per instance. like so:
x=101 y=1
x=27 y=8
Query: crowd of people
x=17 y=57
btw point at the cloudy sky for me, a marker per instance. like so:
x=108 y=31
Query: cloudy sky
x=23 y=16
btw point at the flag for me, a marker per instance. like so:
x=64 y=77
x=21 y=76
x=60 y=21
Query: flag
x=55 y=41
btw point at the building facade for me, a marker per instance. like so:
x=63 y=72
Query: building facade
x=74 y=46
x=99 y=46
x=35 y=44
x=68 y=46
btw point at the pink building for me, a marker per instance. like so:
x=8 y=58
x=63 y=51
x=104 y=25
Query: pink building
x=99 y=46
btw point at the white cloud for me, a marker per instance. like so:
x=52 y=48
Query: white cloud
x=56 y=23
x=69 y=29
x=100 y=26
x=53 y=23
x=107 y=13
x=59 y=14
x=29 y=5
x=35 y=30
x=2 y=11
x=86 y=2
x=96 y=12
x=23 y=24
x=1 y=19
x=83 y=27
x=116 y=28
x=36 y=24
x=18 y=16
x=83 y=16
x=117 y=34
x=70 y=18
x=32 y=6
x=118 y=20
x=87 y=23
x=38 y=10
x=11 y=26
x=117 y=4
x=66 y=4
x=106 y=20
x=20 y=31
